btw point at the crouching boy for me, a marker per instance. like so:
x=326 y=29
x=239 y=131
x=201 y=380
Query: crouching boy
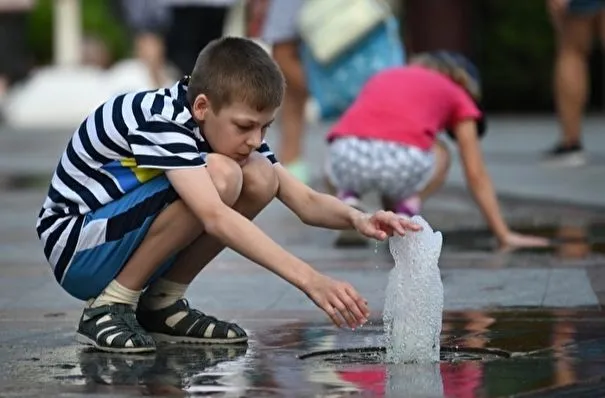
x=155 y=184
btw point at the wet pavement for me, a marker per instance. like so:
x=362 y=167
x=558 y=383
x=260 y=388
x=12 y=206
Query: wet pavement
x=537 y=352
x=542 y=307
x=568 y=241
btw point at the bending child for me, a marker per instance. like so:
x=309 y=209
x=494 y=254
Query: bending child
x=387 y=141
x=155 y=184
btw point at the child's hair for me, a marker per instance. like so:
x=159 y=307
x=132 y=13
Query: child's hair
x=459 y=69
x=235 y=69
x=456 y=66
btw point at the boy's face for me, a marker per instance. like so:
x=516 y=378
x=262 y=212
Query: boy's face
x=236 y=130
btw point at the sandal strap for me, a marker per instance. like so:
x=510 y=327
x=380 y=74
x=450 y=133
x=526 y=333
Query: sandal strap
x=221 y=329
x=194 y=324
x=122 y=325
x=199 y=325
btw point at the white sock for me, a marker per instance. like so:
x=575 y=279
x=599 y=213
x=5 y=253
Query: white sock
x=163 y=293
x=116 y=293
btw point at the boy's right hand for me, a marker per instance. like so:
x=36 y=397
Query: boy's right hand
x=515 y=240
x=339 y=300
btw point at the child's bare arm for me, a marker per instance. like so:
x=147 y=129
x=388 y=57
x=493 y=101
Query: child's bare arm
x=477 y=177
x=197 y=191
x=483 y=191
x=307 y=204
x=321 y=210
x=195 y=188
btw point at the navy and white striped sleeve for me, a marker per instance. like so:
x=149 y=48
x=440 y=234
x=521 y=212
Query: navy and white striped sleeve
x=164 y=144
x=266 y=151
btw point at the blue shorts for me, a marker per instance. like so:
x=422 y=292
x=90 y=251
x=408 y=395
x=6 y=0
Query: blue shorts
x=111 y=234
x=586 y=6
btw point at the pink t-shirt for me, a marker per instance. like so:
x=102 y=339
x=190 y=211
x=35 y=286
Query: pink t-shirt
x=409 y=105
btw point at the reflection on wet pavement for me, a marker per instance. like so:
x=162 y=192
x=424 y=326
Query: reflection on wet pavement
x=173 y=370
x=551 y=351
x=568 y=241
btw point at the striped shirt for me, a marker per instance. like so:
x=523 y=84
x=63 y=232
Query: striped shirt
x=125 y=142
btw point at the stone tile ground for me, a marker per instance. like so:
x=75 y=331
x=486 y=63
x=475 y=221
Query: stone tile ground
x=35 y=315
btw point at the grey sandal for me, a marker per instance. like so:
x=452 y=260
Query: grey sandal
x=194 y=327
x=113 y=328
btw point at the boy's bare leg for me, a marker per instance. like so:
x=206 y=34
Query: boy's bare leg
x=176 y=227
x=259 y=188
x=162 y=310
x=108 y=323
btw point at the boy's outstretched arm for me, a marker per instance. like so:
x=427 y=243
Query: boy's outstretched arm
x=482 y=189
x=338 y=299
x=321 y=210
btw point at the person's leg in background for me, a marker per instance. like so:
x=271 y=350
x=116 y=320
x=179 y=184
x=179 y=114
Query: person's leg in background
x=280 y=32
x=293 y=108
x=149 y=48
x=148 y=21
x=574 y=26
x=443 y=160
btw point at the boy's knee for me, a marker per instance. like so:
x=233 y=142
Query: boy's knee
x=227 y=177
x=260 y=180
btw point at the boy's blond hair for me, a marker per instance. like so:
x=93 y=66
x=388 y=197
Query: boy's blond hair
x=235 y=69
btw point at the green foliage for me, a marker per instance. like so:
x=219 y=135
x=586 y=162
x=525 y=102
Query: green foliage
x=515 y=42
x=97 y=20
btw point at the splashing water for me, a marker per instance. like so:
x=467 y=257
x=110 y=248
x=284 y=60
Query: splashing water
x=414 y=297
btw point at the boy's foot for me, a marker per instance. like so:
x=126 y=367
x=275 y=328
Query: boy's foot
x=565 y=155
x=179 y=323
x=113 y=328
x=351 y=238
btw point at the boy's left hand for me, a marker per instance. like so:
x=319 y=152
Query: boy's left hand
x=383 y=224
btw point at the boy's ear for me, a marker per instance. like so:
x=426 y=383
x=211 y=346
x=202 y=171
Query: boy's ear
x=200 y=107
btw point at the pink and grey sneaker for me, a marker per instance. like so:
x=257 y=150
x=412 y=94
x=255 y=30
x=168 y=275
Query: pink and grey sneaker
x=409 y=207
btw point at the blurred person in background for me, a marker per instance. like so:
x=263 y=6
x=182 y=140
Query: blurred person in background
x=95 y=52
x=148 y=22
x=388 y=141
x=575 y=23
x=281 y=33
x=15 y=62
x=194 y=24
